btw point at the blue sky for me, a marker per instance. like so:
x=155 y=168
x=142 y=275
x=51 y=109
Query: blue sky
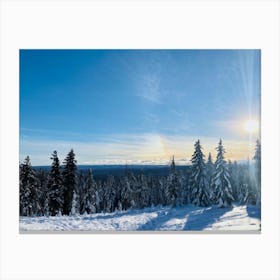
x=136 y=106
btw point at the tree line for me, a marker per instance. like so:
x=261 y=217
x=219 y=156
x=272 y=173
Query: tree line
x=65 y=191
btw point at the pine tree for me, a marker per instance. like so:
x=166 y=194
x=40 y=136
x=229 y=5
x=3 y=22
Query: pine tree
x=163 y=191
x=135 y=190
x=126 y=193
x=173 y=186
x=221 y=180
x=109 y=194
x=55 y=187
x=250 y=196
x=29 y=197
x=242 y=182
x=198 y=184
x=88 y=202
x=42 y=179
x=98 y=197
x=173 y=166
x=210 y=167
x=257 y=158
x=233 y=170
x=75 y=207
x=153 y=186
x=184 y=188
x=69 y=175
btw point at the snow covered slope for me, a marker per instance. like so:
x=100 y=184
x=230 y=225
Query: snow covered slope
x=187 y=218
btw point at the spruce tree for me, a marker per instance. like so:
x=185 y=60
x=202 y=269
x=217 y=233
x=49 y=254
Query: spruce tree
x=257 y=158
x=55 y=187
x=88 y=202
x=163 y=191
x=153 y=186
x=242 y=183
x=126 y=193
x=135 y=190
x=69 y=175
x=210 y=167
x=198 y=184
x=29 y=196
x=233 y=170
x=75 y=205
x=173 y=185
x=145 y=196
x=184 y=188
x=80 y=191
x=221 y=180
x=42 y=179
x=250 y=196
x=109 y=194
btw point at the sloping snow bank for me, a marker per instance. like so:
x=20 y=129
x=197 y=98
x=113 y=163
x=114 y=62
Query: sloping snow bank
x=187 y=218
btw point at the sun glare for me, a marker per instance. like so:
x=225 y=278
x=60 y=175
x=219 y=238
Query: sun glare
x=251 y=126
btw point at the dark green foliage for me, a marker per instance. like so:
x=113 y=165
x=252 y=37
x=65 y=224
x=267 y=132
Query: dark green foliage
x=88 y=194
x=29 y=190
x=69 y=175
x=55 y=187
x=198 y=183
x=72 y=192
x=221 y=180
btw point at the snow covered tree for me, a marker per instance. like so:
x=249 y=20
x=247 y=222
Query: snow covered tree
x=89 y=190
x=55 y=187
x=126 y=192
x=75 y=205
x=145 y=194
x=210 y=167
x=184 y=188
x=249 y=186
x=29 y=197
x=80 y=191
x=198 y=183
x=242 y=182
x=42 y=179
x=69 y=175
x=173 y=186
x=109 y=194
x=233 y=170
x=163 y=191
x=154 y=187
x=257 y=158
x=221 y=180
x=135 y=190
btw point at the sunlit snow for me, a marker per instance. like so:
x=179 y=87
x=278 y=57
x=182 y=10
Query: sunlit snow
x=186 y=218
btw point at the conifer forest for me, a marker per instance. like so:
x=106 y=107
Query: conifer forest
x=64 y=190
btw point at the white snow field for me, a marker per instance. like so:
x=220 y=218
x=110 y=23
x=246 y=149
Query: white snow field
x=186 y=218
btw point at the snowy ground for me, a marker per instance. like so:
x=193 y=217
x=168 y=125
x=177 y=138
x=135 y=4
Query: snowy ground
x=187 y=218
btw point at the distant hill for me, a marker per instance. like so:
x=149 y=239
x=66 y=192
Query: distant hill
x=100 y=171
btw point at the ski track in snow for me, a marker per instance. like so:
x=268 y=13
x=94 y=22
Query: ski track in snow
x=159 y=218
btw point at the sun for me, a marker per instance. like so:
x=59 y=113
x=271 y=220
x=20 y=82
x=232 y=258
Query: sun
x=251 y=126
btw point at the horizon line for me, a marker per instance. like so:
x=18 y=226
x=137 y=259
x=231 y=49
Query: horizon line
x=140 y=164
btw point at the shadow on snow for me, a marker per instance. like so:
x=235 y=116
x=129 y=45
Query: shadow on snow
x=253 y=211
x=194 y=218
x=200 y=220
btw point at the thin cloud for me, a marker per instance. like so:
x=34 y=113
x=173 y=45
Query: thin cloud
x=135 y=149
x=150 y=88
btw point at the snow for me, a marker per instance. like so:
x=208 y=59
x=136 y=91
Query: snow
x=186 y=218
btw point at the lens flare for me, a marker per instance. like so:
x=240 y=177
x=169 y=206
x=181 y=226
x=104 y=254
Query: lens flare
x=251 y=126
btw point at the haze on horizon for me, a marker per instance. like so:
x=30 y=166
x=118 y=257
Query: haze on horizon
x=138 y=106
